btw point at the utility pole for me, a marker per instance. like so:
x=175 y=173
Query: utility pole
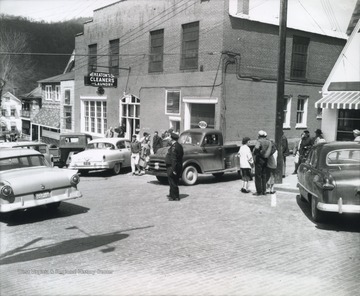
x=280 y=90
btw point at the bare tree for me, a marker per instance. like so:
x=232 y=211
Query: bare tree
x=14 y=65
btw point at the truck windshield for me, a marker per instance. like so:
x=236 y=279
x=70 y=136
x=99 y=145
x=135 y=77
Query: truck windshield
x=190 y=139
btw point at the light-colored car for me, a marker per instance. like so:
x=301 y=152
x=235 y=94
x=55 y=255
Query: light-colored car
x=329 y=179
x=103 y=154
x=27 y=180
x=43 y=148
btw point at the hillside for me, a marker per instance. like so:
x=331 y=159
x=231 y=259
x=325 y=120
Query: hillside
x=40 y=37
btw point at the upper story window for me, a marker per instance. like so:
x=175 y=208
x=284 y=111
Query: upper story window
x=92 y=61
x=287 y=111
x=12 y=112
x=48 y=92
x=114 y=57
x=156 y=51
x=172 y=102
x=190 y=46
x=299 y=57
x=57 y=93
x=3 y=112
x=301 y=111
x=67 y=97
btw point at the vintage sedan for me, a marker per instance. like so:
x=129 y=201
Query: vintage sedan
x=329 y=179
x=27 y=180
x=103 y=154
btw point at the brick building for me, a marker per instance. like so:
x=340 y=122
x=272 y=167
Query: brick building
x=181 y=62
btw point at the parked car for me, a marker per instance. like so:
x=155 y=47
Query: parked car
x=43 y=148
x=69 y=144
x=103 y=154
x=329 y=179
x=204 y=153
x=27 y=180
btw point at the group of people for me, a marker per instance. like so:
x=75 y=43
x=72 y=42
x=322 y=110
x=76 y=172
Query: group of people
x=264 y=160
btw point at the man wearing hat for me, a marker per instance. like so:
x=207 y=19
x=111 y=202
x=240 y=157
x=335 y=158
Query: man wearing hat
x=135 y=147
x=305 y=145
x=173 y=162
x=356 y=135
x=262 y=151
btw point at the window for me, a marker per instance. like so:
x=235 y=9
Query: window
x=348 y=120
x=68 y=117
x=130 y=115
x=67 y=97
x=12 y=112
x=3 y=112
x=57 y=93
x=301 y=112
x=319 y=113
x=114 y=57
x=92 y=61
x=299 y=57
x=95 y=116
x=287 y=111
x=48 y=92
x=190 y=46
x=156 y=51
x=172 y=102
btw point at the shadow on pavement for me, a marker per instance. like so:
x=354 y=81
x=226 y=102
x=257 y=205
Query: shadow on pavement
x=24 y=253
x=41 y=213
x=333 y=221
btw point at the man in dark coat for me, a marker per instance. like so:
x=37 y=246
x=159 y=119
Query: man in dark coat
x=157 y=142
x=305 y=145
x=173 y=162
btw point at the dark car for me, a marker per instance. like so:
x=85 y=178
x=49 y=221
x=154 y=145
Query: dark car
x=329 y=179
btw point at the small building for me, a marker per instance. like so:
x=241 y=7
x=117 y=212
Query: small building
x=340 y=102
x=10 y=120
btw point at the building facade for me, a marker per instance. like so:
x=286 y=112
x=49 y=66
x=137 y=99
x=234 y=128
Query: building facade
x=10 y=116
x=183 y=63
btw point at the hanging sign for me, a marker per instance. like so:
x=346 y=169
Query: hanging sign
x=202 y=124
x=100 y=79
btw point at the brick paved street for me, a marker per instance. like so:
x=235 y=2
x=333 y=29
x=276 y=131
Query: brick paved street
x=125 y=238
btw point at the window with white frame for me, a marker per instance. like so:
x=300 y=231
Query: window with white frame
x=68 y=117
x=47 y=92
x=301 y=111
x=57 y=93
x=95 y=116
x=172 y=102
x=130 y=115
x=287 y=111
x=67 y=97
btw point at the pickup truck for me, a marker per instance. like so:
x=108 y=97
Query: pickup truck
x=204 y=153
x=69 y=144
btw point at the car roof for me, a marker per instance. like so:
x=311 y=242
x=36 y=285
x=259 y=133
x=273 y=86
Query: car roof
x=20 y=143
x=340 y=145
x=108 y=140
x=8 y=152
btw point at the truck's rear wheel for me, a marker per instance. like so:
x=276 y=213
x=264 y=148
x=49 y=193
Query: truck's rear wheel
x=190 y=175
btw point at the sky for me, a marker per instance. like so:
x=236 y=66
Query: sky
x=52 y=10
x=335 y=12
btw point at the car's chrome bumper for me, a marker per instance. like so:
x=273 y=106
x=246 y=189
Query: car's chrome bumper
x=339 y=207
x=29 y=201
x=91 y=166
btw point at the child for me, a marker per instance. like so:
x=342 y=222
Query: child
x=246 y=162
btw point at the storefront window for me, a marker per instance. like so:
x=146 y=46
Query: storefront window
x=348 y=120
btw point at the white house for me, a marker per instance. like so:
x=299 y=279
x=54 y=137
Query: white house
x=10 y=114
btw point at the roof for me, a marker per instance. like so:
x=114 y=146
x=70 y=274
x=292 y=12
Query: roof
x=10 y=96
x=108 y=140
x=330 y=19
x=341 y=145
x=9 y=152
x=340 y=100
x=59 y=78
x=49 y=117
x=20 y=143
x=35 y=93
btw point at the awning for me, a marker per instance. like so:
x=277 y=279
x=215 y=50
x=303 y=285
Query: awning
x=340 y=100
x=49 y=117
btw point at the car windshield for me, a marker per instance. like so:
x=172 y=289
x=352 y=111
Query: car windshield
x=100 y=145
x=22 y=162
x=190 y=138
x=343 y=157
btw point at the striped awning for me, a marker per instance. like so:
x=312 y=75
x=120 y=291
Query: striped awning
x=340 y=100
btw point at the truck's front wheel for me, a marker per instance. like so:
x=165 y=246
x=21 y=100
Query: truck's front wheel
x=189 y=175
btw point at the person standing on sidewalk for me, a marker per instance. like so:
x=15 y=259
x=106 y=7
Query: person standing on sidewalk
x=173 y=160
x=246 y=163
x=271 y=169
x=285 y=148
x=135 y=147
x=156 y=142
x=319 y=137
x=262 y=151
